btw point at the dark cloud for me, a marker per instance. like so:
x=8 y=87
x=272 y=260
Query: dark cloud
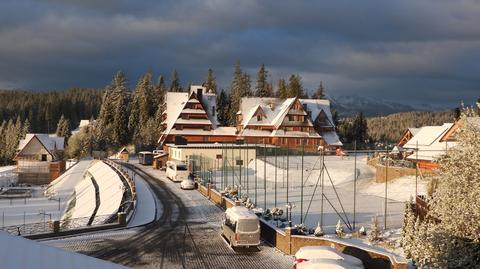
x=411 y=51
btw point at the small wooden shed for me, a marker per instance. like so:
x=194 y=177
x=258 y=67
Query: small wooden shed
x=160 y=159
x=123 y=154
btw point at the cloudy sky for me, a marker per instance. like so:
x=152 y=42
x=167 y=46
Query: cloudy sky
x=407 y=51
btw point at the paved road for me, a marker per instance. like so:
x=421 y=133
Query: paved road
x=186 y=235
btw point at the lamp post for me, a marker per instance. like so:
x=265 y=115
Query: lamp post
x=289 y=206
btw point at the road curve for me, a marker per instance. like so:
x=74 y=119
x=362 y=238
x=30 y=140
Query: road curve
x=186 y=235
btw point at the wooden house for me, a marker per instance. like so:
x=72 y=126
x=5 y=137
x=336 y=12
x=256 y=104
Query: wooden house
x=192 y=115
x=123 y=154
x=407 y=135
x=40 y=158
x=427 y=145
x=287 y=122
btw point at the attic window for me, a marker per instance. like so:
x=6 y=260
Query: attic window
x=213 y=110
x=259 y=117
x=44 y=157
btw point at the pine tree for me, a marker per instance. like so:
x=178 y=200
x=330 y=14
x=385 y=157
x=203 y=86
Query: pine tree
x=320 y=92
x=63 y=128
x=26 y=128
x=222 y=108
x=120 y=135
x=160 y=91
x=142 y=107
x=175 y=85
x=282 y=89
x=295 y=87
x=262 y=88
x=408 y=229
x=237 y=91
x=211 y=83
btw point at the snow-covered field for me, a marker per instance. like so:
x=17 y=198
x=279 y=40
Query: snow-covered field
x=339 y=181
x=7 y=175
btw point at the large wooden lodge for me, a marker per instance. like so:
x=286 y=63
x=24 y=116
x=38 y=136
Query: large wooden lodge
x=281 y=122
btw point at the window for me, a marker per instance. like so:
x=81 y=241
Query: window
x=44 y=157
x=259 y=117
x=179 y=127
x=213 y=110
x=185 y=116
x=291 y=118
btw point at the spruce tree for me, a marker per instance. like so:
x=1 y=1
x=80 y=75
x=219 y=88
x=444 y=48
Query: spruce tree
x=320 y=92
x=262 y=88
x=222 y=108
x=160 y=91
x=63 y=128
x=175 y=85
x=120 y=135
x=282 y=89
x=295 y=87
x=236 y=93
x=211 y=83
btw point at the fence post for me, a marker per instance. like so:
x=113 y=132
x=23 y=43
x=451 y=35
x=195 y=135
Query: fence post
x=122 y=218
x=354 y=183
x=56 y=226
x=386 y=192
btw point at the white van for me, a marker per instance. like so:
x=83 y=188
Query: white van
x=177 y=171
x=241 y=227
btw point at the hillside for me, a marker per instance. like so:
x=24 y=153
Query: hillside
x=390 y=128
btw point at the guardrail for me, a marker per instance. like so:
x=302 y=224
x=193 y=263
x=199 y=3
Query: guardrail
x=58 y=226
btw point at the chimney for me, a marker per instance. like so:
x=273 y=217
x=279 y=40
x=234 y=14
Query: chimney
x=271 y=105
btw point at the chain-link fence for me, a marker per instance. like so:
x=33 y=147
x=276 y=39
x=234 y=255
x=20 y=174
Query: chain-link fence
x=312 y=188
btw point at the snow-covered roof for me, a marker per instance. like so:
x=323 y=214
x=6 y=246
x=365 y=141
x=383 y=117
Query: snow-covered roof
x=176 y=102
x=427 y=135
x=414 y=131
x=17 y=252
x=331 y=138
x=275 y=109
x=51 y=142
x=429 y=145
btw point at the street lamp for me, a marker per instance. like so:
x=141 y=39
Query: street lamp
x=289 y=206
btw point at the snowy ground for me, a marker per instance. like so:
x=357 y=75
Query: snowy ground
x=7 y=175
x=36 y=209
x=369 y=197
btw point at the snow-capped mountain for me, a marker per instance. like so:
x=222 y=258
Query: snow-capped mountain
x=351 y=105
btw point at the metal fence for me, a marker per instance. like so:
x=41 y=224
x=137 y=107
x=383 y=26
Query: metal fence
x=313 y=188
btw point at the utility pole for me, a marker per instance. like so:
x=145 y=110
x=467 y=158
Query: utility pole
x=301 y=187
x=354 y=184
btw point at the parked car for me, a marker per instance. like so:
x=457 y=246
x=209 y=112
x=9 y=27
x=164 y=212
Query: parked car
x=317 y=257
x=188 y=183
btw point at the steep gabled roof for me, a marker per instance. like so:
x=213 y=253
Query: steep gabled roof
x=428 y=135
x=50 y=142
x=277 y=109
x=176 y=102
